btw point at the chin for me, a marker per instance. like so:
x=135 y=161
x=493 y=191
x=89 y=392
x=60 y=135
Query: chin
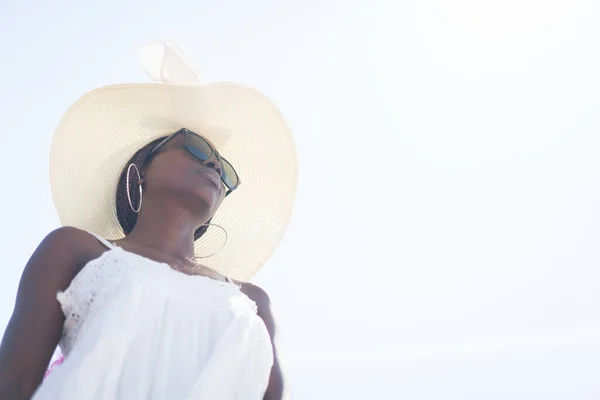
x=208 y=201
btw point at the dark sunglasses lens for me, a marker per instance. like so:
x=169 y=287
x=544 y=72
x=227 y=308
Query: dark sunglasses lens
x=229 y=177
x=198 y=147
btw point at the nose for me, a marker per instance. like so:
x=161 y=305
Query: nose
x=213 y=163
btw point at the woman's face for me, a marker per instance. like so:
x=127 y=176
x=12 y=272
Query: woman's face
x=174 y=173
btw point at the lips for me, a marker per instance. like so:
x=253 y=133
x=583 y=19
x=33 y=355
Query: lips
x=211 y=175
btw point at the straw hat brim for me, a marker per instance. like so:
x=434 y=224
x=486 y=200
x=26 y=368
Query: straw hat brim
x=103 y=130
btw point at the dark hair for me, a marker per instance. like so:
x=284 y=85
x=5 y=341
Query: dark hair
x=126 y=216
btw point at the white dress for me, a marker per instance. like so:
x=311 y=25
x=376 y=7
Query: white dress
x=137 y=329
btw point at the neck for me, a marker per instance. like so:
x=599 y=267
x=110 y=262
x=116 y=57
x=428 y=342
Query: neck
x=166 y=229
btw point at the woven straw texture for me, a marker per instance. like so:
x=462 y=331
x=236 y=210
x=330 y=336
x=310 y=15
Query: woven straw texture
x=103 y=129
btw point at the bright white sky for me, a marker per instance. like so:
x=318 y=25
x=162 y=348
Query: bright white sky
x=445 y=240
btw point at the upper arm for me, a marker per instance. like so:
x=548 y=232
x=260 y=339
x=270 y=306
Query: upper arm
x=263 y=305
x=36 y=323
x=275 y=389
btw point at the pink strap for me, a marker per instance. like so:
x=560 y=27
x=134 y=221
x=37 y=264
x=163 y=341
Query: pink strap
x=54 y=365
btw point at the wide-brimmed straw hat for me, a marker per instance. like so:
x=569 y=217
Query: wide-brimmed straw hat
x=102 y=130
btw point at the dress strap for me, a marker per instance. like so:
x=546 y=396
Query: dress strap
x=229 y=280
x=103 y=241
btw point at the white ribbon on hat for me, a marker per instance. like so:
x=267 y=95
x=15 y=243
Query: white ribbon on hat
x=166 y=62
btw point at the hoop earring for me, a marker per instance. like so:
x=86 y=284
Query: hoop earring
x=226 y=238
x=140 y=186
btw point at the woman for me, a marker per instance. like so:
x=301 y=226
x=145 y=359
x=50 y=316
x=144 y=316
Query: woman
x=172 y=195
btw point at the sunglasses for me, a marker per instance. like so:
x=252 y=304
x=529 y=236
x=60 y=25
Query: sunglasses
x=198 y=147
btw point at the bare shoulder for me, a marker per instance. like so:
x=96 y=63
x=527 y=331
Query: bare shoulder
x=263 y=304
x=72 y=243
x=257 y=294
x=60 y=256
x=69 y=237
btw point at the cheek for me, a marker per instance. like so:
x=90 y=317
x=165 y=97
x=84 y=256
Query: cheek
x=170 y=171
